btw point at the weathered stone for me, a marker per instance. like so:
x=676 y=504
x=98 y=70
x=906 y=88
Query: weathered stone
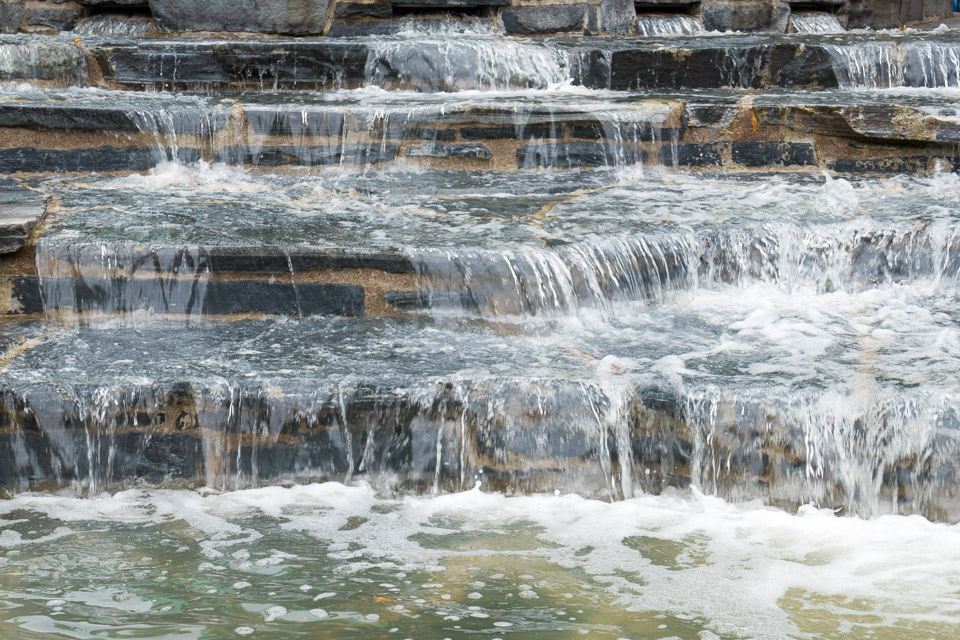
x=888 y=14
x=529 y=20
x=16 y=221
x=11 y=16
x=350 y=29
x=690 y=154
x=511 y=133
x=745 y=15
x=450 y=4
x=357 y=10
x=611 y=16
x=306 y=156
x=73 y=115
x=56 y=17
x=707 y=115
x=278 y=261
x=881 y=166
x=781 y=64
x=575 y=154
x=289 y=17
x=41 y=61
x=21 y=209
x=470 y=150
x=31 y=160
x=766 y=154
x=220 y=297
x=327 y=63
x=118 y=3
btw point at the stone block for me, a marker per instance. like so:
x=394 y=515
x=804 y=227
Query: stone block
x=881 y=166
x=115 y=3
x=470 y=150
x=690 y=154
x=286 y=17
x=933 y=9
x=745 y=15
x=59 y=17
x=611 y=16
x=575 y=154
x=530 y=20
x=875 y=14
x=449 y=4
x=31 y=160
x=309 y=156
x=766 y=154
x=358 y=10
x=505 y=133
x=911 y=11
x=11 y=16
x=16 y=222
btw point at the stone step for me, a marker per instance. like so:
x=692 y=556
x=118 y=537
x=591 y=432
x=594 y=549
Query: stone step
x=841 y=131
x=192 y=241
x=421 y=406
x=486 y=61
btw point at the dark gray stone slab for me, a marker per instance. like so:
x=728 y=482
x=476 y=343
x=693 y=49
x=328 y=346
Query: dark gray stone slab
x=575 y=154
x=11 y=16
x=103 y=117
x=444 y=4
x=531 y=20
x=357 y=10
x=753 y=66
x=21 y=209
x=351 y=29
x=611 y=17
x=118 y=3
x=764 y=154
x=689 y=154
x=745 y=15
x=59 y=18
x=215 y=297
x=309 y=64
x=309 y=156
x=286 y=17
x=509 y=133
x=881 y=166
x=31 y=160
x=278 y=261
x=471 y=150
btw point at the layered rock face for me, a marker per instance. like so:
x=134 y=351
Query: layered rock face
x=512 y=17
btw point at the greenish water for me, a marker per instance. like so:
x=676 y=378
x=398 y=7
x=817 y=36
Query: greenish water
x=339 y=561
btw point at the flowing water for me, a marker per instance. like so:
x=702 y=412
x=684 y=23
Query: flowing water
x=620 y=402
x=335 y=561
x=653 y=25
x=815 y=22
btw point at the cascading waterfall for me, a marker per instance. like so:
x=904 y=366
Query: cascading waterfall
x=874 y=65
x=58 y=62
x=667 y=25
x=466 y=63
x=815 y=22
x=114 y=26
x=557 y=280
x=869 y=449
x=232 y=436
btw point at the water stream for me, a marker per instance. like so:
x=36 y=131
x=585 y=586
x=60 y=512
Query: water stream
x=389 y=361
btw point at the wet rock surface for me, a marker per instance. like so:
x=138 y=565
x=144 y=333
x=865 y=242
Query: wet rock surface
x=21 y=209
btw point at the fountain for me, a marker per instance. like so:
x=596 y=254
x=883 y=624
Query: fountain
x=352 y=318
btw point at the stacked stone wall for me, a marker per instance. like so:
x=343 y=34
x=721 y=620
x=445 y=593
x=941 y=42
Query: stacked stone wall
x=513 y=17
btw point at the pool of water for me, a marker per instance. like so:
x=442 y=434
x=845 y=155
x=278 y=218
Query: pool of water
x=335 y=561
